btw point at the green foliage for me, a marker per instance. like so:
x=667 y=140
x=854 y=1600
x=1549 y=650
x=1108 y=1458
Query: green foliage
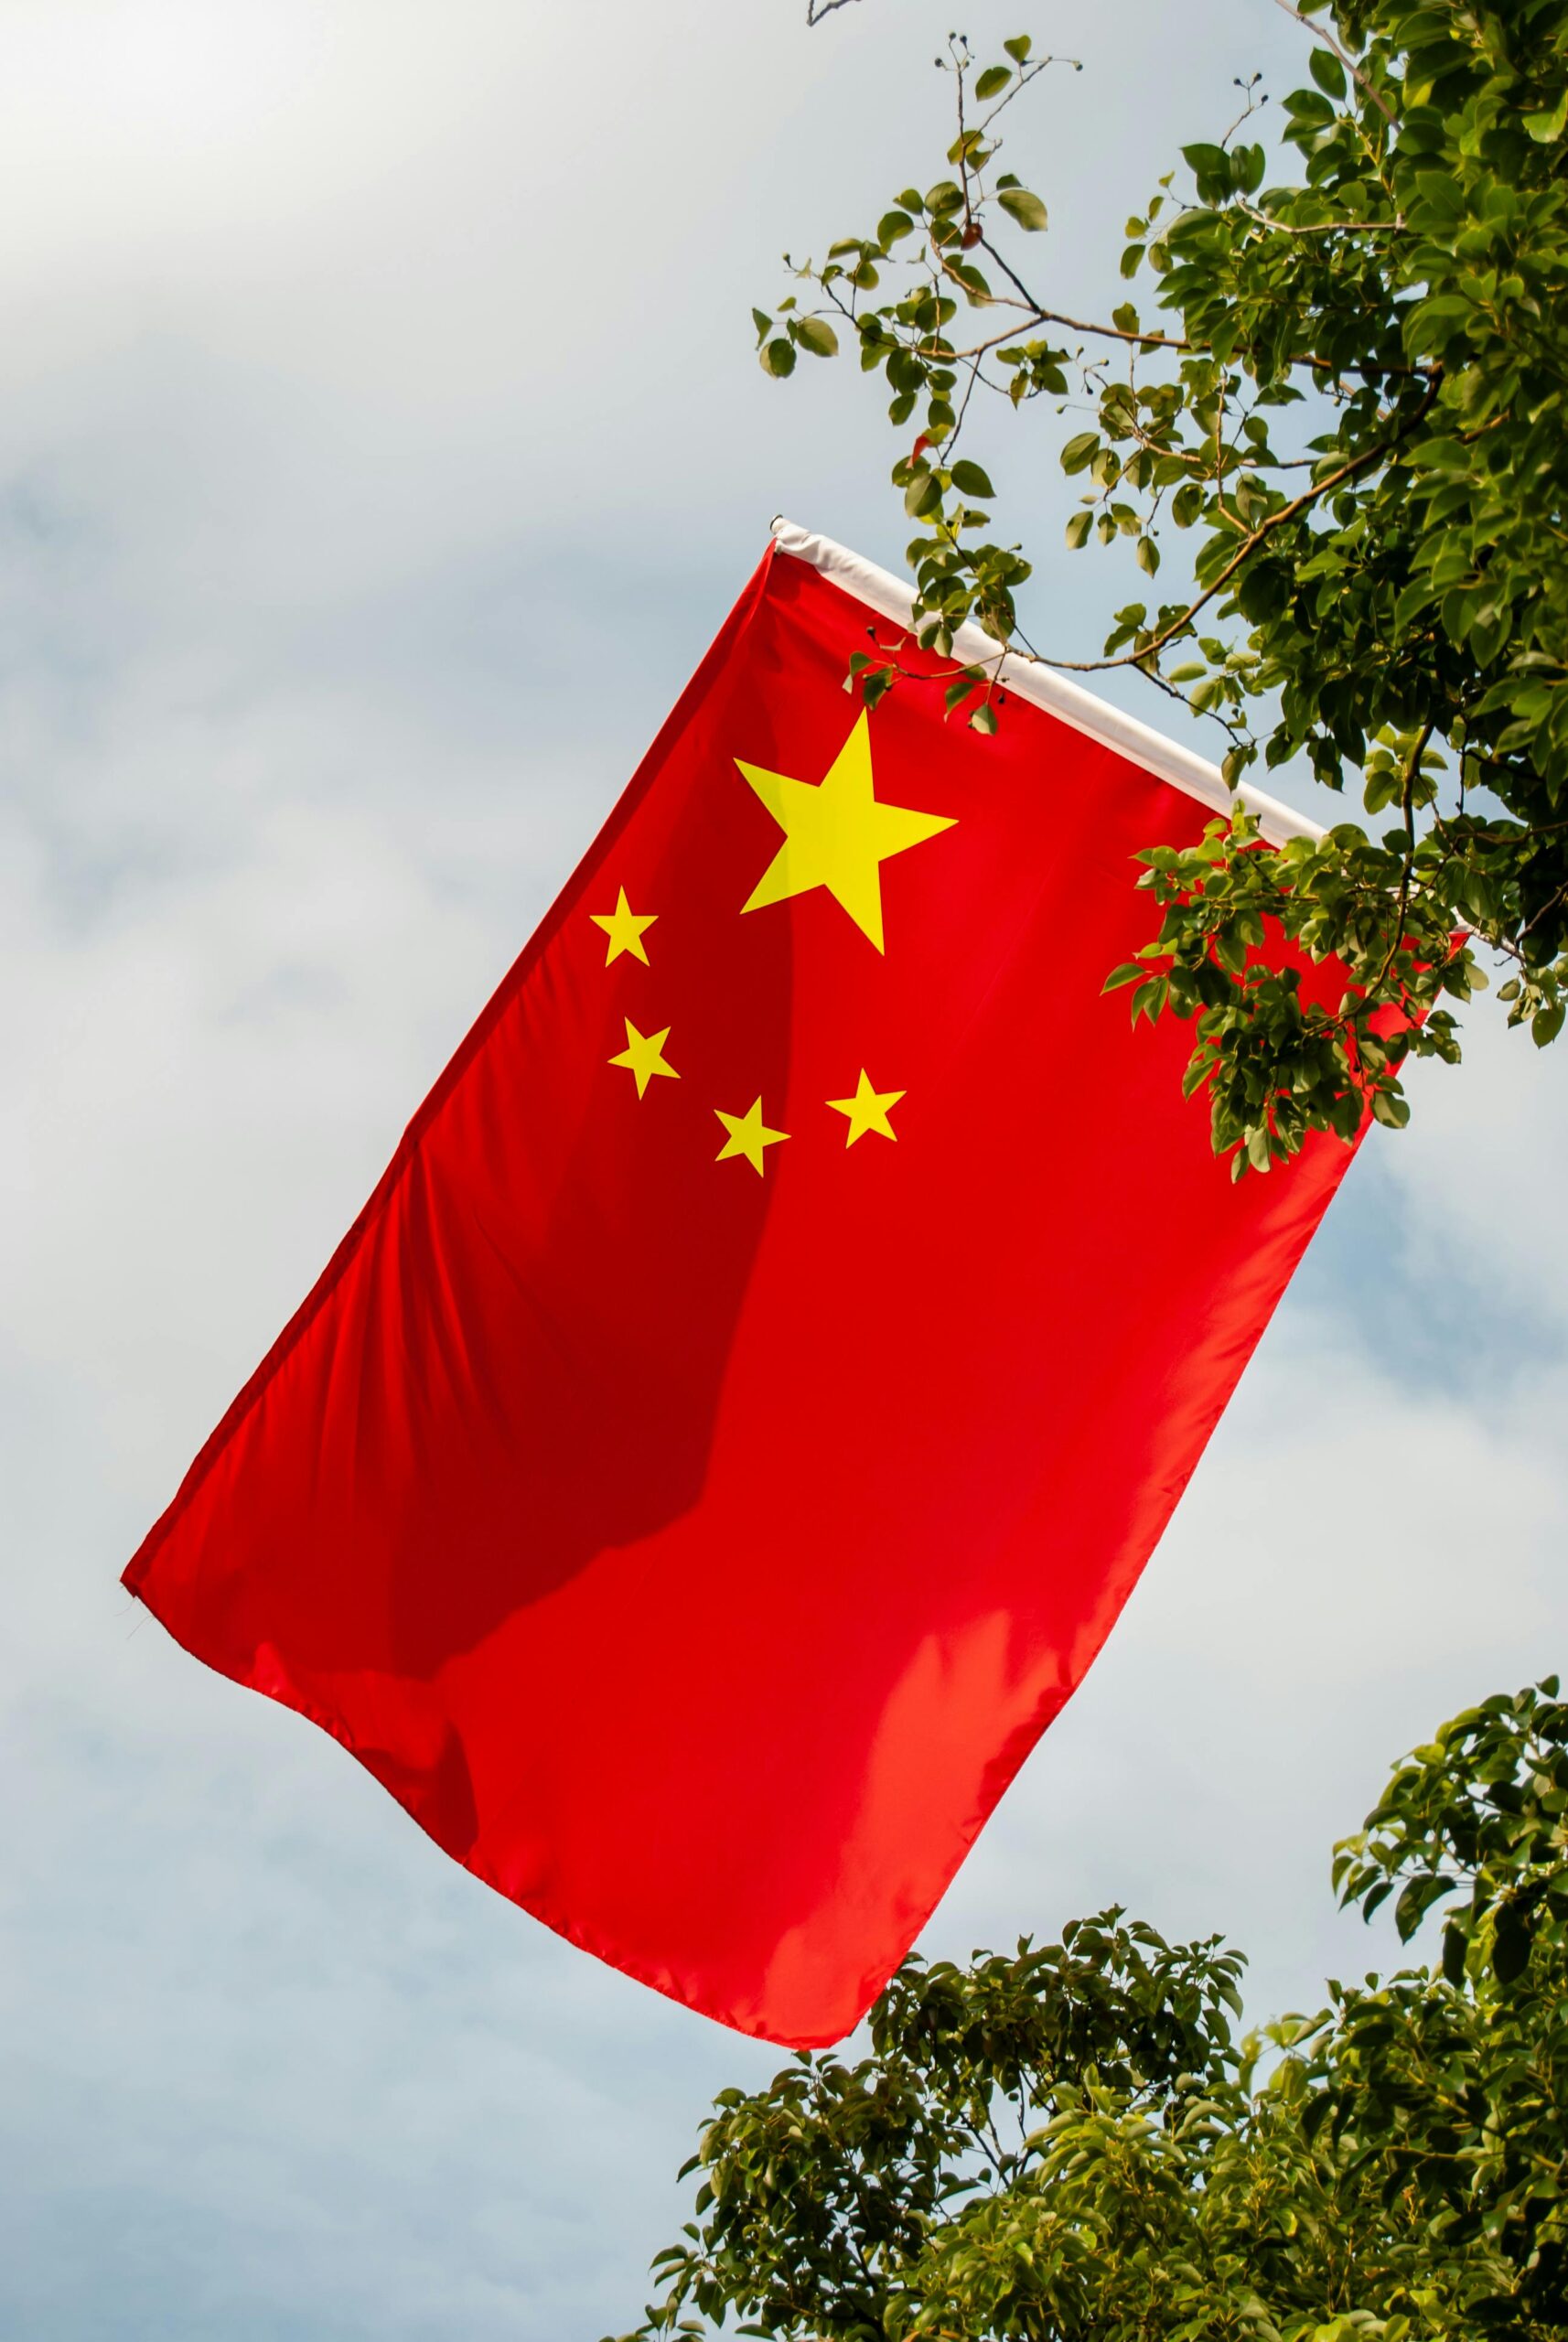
x=1345 y=427
x=1070 y=2145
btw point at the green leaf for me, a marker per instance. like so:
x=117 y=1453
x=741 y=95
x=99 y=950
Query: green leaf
x=816 y=335
x=891 y=226
x=1210 y=166
x=984 y=719
x=991 y=82
x=1510 y=1943
x=1026 y=209
x=923 y=493
x=1077 y=529
x=1247 y=166
x=1419 y=1894
x=1264 y=590
x=1455 y=1943
x=970 y=480
x=1079 y=453
x=1327 y=72
x=1547 y=128
x=1018 y=47
x=777 y=358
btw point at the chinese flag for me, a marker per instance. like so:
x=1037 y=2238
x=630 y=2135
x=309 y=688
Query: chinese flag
x=731 y=1428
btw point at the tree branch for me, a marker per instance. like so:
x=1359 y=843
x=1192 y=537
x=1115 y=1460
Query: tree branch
x=1318 y=33
x=1291 y=512
x=817 y=9
x=1080 y=325
x=1265 y=528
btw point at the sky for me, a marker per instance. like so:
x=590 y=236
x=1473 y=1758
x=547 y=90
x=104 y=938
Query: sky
x=381 y=445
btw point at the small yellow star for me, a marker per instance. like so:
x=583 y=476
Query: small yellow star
x=868 y=1110
x=643 y=1056
x=626 y=929
x=748 y=1134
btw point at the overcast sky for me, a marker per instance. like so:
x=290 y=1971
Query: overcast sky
x=379 y=447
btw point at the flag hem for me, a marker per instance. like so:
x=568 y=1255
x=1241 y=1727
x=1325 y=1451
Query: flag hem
x=1182 y=767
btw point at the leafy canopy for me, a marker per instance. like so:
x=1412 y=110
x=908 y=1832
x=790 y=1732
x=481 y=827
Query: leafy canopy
x=1344 y=416
x=1071 y=2146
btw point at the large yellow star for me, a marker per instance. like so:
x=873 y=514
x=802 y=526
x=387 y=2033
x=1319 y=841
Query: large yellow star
x=837 y=834
x=868 y=1110
x=748 y=1134
x=626 y=929
x=643 y=1056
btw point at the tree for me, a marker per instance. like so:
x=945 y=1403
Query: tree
x=1070 y=2145
x=1351 y=395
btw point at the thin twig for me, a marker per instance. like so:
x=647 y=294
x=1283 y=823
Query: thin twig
x=1319 y=33
x=1027 y=73
x=1079 y=325
x=1407 y=803
x=963 y=404
x=1322 y=228
x=1252 y=107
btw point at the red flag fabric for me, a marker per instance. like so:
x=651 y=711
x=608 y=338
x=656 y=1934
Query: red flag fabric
x=731 y=1428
